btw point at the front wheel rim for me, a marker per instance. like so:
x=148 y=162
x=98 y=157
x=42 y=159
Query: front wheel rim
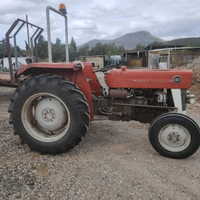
x=174 y=137
x=32 y=123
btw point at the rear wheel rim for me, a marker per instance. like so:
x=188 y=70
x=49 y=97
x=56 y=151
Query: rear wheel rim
x=41 y=126
x=174 y=137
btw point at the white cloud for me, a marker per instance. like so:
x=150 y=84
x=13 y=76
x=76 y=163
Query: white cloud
x=84 y=24
x=107 y=19
x=106 y=6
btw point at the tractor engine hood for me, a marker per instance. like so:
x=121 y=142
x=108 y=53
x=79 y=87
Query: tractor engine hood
x=146 y=78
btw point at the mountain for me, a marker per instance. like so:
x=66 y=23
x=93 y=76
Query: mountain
x=129 y=40
x=183 y=41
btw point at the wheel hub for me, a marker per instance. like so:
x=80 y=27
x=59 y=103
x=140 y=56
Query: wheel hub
x=48 y=115
x=45 y=117
x=174 y=137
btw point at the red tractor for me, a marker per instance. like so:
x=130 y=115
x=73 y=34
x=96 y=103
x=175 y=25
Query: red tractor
x=52 y=109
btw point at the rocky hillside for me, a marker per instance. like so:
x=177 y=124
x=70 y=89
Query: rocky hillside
x=129 y=40
x=184 y=41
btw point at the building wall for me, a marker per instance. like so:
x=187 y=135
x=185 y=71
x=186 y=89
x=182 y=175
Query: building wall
x=21 y=60
x=98 y=60
x=136 y=60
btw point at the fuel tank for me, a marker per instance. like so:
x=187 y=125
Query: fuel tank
x=149 y=78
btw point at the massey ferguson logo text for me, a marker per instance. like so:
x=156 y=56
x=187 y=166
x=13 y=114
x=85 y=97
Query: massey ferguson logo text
x=177 y=79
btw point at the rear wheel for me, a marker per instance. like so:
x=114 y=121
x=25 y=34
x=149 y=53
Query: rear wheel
x=49 y=113
x=174 y=135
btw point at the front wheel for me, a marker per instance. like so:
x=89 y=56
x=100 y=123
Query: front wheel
x=49 y=113
x=174 y=135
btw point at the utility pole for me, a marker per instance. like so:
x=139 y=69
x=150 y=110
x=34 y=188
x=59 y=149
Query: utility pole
x=29 y=50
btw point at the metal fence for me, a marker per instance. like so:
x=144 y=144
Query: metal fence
x=181 y=58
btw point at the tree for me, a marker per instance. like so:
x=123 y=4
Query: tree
x=106 y=49
x=73 y=44
x=114 y=50
x=72 y=50
x=156 y=43
x=58 y=41
x=84 y=50
x=97 y=49
x=41 y=39
x=42 y=47
x=58 y=50
x=193 y=43
x=3 y=47
x=139 y=47
x=19 y=52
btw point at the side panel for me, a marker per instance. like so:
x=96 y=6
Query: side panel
x=177 y=98
x=94 y=83
x=176 y=94
x=81 y=81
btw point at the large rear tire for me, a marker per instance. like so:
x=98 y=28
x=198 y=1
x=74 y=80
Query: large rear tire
x=49 y=113
x=174 y=135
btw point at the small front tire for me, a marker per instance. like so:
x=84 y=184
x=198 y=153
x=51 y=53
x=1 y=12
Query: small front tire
x=174 y=135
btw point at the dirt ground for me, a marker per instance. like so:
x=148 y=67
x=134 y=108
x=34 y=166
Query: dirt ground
x=114 y=161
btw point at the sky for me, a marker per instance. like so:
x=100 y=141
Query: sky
x=105 y=19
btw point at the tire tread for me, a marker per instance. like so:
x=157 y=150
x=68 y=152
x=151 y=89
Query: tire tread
x=67 y=88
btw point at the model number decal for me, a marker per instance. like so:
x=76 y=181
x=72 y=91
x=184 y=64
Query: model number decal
x=177 y=79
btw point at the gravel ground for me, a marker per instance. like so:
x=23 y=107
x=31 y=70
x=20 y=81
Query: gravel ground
x=114 y=161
